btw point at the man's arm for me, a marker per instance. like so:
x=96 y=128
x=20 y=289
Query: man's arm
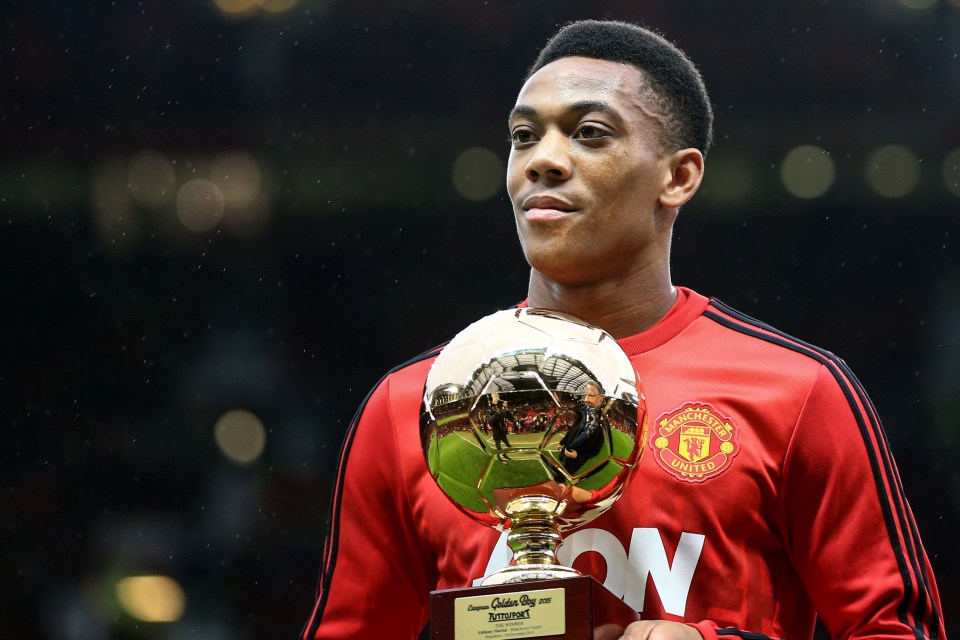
x=375 y=576
x=846 y=521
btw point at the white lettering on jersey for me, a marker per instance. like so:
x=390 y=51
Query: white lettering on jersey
x=647 y=556
x=627 y=572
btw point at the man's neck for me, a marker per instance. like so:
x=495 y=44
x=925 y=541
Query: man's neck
x=621 y=309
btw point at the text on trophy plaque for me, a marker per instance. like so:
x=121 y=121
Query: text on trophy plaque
x=503 y=616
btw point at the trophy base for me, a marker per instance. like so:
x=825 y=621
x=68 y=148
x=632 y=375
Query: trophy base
x=571 y=608
x=528 y=572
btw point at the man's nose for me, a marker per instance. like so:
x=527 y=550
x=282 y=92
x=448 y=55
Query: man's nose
x=550 y=159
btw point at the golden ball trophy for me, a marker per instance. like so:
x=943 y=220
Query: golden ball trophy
x=532 y=422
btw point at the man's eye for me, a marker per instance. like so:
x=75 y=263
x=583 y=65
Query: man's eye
x=521 y=136
x=589 y=132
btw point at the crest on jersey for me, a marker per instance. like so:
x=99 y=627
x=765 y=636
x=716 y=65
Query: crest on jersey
x=695 y=442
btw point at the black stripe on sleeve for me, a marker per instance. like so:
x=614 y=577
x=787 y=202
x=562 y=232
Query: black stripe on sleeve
x=746 y=635
x=907 y=524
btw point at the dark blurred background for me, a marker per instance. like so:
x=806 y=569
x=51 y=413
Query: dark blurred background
x=223 y=220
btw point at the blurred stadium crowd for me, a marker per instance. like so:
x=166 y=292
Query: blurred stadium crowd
x=223 y=220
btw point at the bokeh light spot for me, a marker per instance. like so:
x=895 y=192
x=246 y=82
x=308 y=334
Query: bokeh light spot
x=807 y=171
x=237 y=175
x=240 y=435
x=478 y=174
x=200 y=205
x=951 y=172
x=893 y=171
x=150 y=178
x=151 y=598
x=235 y=6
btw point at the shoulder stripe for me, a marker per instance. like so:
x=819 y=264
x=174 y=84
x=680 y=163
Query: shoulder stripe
x=329 y=559
x=897 y=516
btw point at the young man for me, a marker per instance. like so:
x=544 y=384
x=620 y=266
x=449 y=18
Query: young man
x=766 y=494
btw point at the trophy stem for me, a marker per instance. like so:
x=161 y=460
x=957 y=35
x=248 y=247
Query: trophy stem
x=534 y=539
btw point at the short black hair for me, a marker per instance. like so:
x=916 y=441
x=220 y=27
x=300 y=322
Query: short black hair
x=676 y=90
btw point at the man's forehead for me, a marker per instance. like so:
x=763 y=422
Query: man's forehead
x=573 y=82
x=582 y=74
x=577 y=85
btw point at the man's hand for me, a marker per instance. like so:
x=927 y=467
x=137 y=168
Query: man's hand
x=660 y=630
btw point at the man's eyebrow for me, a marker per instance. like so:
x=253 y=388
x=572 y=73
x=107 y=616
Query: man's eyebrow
x=594 y=105
x=581 y=106
x=521 y=110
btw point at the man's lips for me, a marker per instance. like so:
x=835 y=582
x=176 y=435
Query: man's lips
x=543 y=208
x=544 y=215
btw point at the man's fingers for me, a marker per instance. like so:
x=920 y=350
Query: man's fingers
x=660 y=630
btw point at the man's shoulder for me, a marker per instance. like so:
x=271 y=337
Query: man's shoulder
x=413 y=370
x=745 y=335
x=399 y=391
x=411 y=373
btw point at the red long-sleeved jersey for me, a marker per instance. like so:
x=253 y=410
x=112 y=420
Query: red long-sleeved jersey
x=766 y=495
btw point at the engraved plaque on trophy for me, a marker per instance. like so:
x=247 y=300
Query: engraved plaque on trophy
x=532 y=422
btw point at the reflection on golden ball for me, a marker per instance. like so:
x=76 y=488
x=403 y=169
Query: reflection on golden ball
x=526 y=405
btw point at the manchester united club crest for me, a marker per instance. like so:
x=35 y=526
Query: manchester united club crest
x=695 y=443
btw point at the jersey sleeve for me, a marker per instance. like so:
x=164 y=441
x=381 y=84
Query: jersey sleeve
x=846 y=522
x=376 y=576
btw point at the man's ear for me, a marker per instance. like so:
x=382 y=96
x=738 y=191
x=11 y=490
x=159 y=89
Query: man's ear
x=686 y=172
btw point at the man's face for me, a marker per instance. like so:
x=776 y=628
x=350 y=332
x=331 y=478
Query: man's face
x=586 y=171
x=593 y=398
